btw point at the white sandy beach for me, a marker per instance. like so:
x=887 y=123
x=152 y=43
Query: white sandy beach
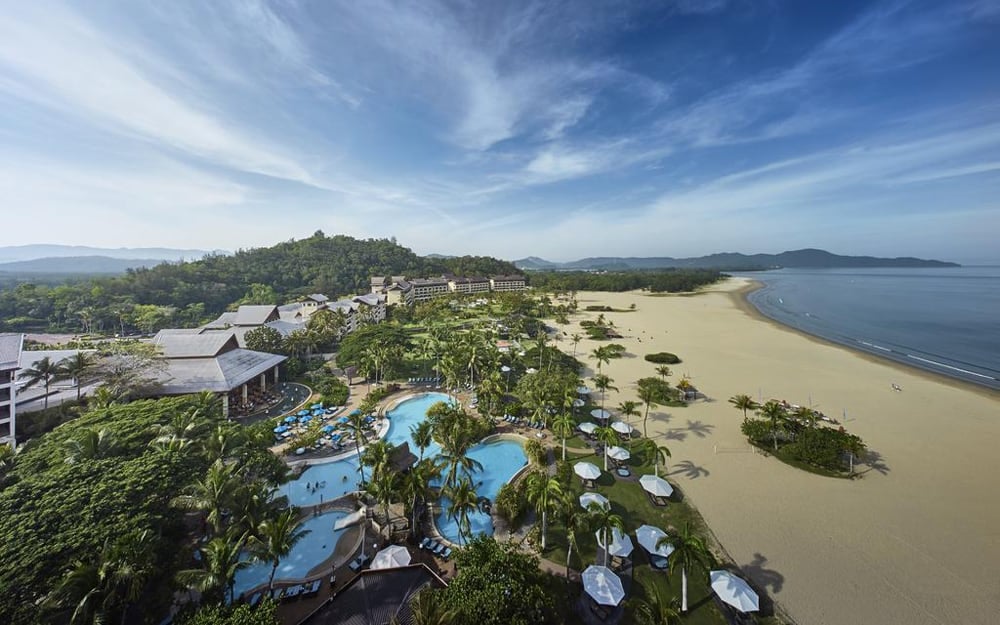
x=916 y=540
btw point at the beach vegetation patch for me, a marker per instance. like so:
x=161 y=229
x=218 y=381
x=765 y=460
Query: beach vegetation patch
x=663 y=358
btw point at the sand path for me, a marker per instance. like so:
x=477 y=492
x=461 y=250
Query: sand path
x=916 y=540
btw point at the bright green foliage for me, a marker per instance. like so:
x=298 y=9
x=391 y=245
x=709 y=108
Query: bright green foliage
x=499 y=585
x=354 y=345
x=53 y=512
x=662 y=358
x=664 y=280
x=266 y=339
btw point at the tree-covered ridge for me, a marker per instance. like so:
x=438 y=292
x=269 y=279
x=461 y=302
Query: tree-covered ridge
x=192 y=292
x=660 y=281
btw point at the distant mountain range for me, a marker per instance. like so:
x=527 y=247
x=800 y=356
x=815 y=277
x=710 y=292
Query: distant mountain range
x=730 y=261
x=79 y=265
x=33 y=252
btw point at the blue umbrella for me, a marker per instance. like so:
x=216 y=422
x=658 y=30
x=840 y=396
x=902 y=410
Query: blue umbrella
x=303 y=412
x=335 y=437
x=343 y=420
x=304 y=419
x=328 y=428
x=355 y=411
x=281 y=429
x=289 y=419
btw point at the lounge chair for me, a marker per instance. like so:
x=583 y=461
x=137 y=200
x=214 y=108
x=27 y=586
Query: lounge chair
x=312 y=589
x=446 y=553
x=425 y=542
x=255 y=599
x=439 y=549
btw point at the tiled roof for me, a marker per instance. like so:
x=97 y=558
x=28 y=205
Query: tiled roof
x=220 y=374
x=256 y=315
x=174 y=344
x=10 y=350
x=376 y=597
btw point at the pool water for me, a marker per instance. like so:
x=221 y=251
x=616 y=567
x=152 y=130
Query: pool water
x=312 y=549
x=500 y=460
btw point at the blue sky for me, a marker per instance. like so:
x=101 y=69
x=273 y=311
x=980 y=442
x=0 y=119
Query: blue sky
x=556 y=129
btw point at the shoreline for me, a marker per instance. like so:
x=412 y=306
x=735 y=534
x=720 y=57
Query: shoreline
x=741 y=298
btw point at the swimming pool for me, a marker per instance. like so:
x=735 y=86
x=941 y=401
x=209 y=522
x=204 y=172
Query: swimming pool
x=336 y=479
x=500 y=460
x=314 y=547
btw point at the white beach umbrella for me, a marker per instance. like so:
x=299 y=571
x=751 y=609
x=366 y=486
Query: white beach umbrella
x=603 y=585
x=621 y=427
x=600 y=413
x=579 y=403
x=656 y=486
x=587 y=470
x=391 y=557
x=531 y=370
x=734 y=591
x=582 y=390
x=647 y=536
x=505 y=369
x=588 y=427
x=621 y=544
x=618 y=453
x=588 y=498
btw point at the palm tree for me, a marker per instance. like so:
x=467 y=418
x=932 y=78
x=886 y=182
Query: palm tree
x=744 y=403
x=376 y=456
x=775 y=412
x=463 y=502
x=90 y=444
x=655 y=609
x=689 y=553
x=806 y=416
x=45 y=371
x=603 y=520
x=607 y=436
x=428 y=607
x=212 y=494
x=601 y=355
x=543 y=492
x=650 y=397
x=417 y=486
x=563 y=426
x=383 y=487
x=664 y=372
x=576 y=338
x=275 y=539
x=221 y=557
x=76 y=367
x=356 y=425
x=604 y=384
x=422 y=436
x=457 y=459
x=661 y=452
x=628 y=409
x=574 y=521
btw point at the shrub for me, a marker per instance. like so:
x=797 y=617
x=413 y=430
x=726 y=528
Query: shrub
x=663 y=358
x=599 y=308
x=757 y=430
x=511 y=504
x=535 y=451
x=564 y=472
x=614 y=350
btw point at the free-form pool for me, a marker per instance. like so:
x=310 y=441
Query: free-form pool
x=314 y=547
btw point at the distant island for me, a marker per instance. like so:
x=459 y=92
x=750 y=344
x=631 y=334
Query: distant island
x=82 y=265
x=729 y=261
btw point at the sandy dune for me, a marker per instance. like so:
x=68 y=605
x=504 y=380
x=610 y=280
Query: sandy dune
x=916 y=540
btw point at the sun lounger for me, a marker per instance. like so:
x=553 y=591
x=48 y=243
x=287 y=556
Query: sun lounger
x=446 y=553
x=425 y=543
x=312 y=589
x=439 y=549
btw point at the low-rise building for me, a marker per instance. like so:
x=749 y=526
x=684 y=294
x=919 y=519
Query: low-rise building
x=507 y=283
x=397 y=290
x=457 y=284
x=10 y=362
x=428 y=288
x=371 y=307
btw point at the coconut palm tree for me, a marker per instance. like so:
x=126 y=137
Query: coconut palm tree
x=221 y=557
x=417 y=487
x=603 y=520
x=76 y=368
x=44 y=372
x=356 y=425
x=661 y=452
x=421 y=434
x=576 y=338
x=628 y=409
x=774 y=412
x=607 y=436
x=383 y=487
x=650 y=397
x=455 y=460
x=543 y=492
x=574 y=522
x=212 y=494
x=664 y=372
x=601 y=355
x=563 y=426
x=689 y=553
x=655 y=609
x=90 y=444
x=744 y=403
x=376 y=455
x=604 y=384
x=428 y=607
x=463 y=502
x=275 y=539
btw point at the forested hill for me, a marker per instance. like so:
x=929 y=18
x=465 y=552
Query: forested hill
x=189 y=293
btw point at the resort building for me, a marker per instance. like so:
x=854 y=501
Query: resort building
x=10 y=361
x=428 y=288
x=458 y=284
x=246 y=316
x=397 y=290
x=371 y=306
x=197 y=361
x=507 y=283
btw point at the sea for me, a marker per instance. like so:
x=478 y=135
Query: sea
x=943 y=320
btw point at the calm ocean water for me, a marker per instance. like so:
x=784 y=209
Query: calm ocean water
x=942 y=320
